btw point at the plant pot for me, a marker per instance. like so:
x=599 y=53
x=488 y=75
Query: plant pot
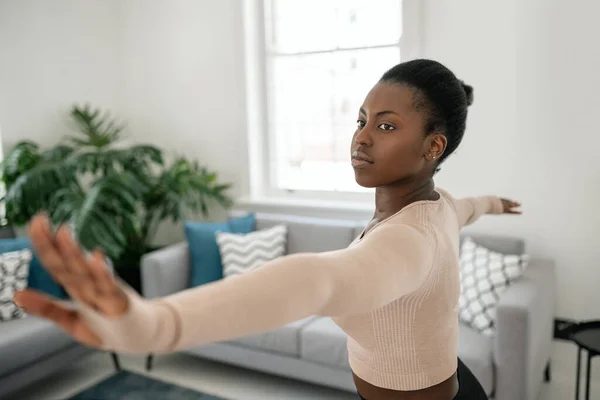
x=131 y=275
x=129 y=269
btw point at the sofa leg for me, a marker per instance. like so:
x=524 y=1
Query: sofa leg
x=115 y=359
x=547 y=373
x=149 y=360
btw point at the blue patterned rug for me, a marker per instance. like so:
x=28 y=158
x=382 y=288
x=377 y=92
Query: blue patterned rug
x=126 y=385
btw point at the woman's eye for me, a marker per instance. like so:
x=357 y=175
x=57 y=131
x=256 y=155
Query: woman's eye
x=386 y=127
x=360 y=123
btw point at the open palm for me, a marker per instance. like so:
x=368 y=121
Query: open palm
x=86 y=278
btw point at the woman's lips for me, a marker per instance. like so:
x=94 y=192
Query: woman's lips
x=360 y=163
x=360 y=159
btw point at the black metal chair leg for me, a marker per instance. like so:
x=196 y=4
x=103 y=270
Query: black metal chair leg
x=548 y=373
x=149 y=360
x=587 y=376
x=577 y=377
x=115 y=359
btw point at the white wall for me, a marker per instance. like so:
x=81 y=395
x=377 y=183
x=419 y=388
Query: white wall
x=531 y=131
x=184 y=84
x=52 y=54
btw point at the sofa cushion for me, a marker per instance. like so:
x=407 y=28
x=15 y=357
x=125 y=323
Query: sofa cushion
x=497 y=243
x=205 y=258
x=22 y=341
x=285 y=340
x=475 y=351
x=484 y=276
x=324 y=342
x=310 y=234
x=14 y=271
x=39 y=278
x=241 y=253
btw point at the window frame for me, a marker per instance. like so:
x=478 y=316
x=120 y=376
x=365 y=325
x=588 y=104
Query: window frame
x=260 y=137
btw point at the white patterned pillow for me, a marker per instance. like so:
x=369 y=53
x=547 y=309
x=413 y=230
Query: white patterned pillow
x=241 y=253
x=484 y=276
x=14 y=273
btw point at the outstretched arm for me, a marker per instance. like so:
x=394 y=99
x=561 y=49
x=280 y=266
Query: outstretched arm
x=393 y=260
x=469 y=209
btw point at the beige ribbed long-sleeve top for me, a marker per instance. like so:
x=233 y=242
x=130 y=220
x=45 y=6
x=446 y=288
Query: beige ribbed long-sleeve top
x=394 y=292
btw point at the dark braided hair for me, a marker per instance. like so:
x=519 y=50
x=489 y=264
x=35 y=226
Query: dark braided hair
x=440 y=94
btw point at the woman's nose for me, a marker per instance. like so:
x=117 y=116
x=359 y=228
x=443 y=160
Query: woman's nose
x=363 y=138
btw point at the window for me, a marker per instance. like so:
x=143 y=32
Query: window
x=318 y=60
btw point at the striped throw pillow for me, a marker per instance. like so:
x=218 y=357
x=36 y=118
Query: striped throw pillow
x=241 y=253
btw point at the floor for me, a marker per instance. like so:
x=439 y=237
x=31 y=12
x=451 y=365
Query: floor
x=239 y=384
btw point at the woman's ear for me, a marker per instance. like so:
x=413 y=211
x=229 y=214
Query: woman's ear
x=435 y=146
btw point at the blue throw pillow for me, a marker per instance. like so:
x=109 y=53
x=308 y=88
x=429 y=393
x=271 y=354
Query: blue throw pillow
x=204 y=252
x=39 y=278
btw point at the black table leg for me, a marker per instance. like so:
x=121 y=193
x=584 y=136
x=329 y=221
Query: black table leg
x=578 y=372
x=587 y=376
x=149 y=360
x=115 y=359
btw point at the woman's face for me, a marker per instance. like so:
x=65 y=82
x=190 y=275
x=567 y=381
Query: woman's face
x=389 y=145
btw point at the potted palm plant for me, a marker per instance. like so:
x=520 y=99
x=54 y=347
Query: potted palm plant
x=113 y=197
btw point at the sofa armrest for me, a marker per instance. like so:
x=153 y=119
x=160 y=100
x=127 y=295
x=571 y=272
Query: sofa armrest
x=165 y=271
x=524 y=332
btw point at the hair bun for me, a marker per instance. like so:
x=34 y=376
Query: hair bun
x=468 y=91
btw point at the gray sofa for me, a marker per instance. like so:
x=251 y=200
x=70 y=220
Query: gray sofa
x=32 y=349
x=510 y=365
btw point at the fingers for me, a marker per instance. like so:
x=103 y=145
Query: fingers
x=43 y=306
x=104 y=281
x=113 y=301
x=42 y=241
x=47 y=250
x=514 y=204
x=63 y=259
x=510 y=205
x=85 y=278
x=70 y=252
x=80 y=283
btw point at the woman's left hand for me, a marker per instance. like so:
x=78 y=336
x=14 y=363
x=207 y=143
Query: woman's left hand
x=85 y=278
x=509 y=206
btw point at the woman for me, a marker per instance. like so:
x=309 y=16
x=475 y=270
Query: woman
x=394 y=291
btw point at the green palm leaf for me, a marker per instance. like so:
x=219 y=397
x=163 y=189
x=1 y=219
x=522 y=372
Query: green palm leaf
x=97 y=130
x=24 y=156
x=140 y=159
x=33 y=190
x=99 y=216
x=65 y=202
x=57 y=153
x=185 y=187
x=137 y=160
